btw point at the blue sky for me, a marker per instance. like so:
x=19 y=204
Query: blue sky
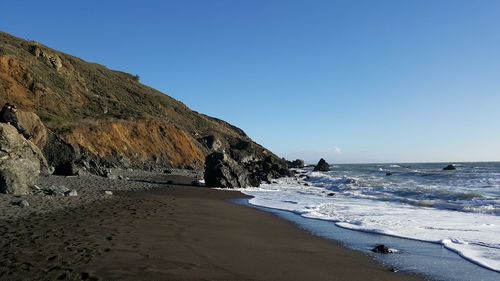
x=348 y=80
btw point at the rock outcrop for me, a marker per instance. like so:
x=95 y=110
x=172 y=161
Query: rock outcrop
x=272 y=168
x=50 y=58
x=322 y=166
x=21 y=162
x=61 y=155
x=211 y=143
x=32 y=123
x=222 y=171
x=297 y=163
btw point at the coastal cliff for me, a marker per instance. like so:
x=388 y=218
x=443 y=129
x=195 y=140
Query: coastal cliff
x=92 y=118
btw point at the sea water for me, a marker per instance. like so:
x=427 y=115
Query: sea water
x=458 y=209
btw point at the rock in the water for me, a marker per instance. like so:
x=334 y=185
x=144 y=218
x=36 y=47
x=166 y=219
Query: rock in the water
x=322 y=166
x=388 y=174
x=222 y=171
x=381 y=249
x=21 y=162
x=449 y=168
x=297 y=163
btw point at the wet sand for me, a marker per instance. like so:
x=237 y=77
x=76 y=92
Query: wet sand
x=172 y=232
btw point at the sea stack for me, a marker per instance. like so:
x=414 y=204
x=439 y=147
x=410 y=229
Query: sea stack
x=449 y=168
x=322 y=166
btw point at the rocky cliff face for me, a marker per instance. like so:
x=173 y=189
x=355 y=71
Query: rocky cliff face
x=93 y=117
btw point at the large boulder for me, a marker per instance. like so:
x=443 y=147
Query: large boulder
x=322 y=166
x=222 y=171
x=21 y=162
x=61 y=155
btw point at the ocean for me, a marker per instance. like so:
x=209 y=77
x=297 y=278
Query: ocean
x=457 y=209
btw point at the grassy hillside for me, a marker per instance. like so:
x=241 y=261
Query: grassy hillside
x=106 y=114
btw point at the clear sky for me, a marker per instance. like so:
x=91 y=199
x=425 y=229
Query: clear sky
x=348 y=80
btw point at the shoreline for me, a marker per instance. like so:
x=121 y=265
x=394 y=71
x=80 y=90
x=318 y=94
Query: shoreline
x=174 y=233
x=416 y=257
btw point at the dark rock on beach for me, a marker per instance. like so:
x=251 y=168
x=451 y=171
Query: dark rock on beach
x=60 y=155
x=322 y=166
x=222 y=171
x=449 y=168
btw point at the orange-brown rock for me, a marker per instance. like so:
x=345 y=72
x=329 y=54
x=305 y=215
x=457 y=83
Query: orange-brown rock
x=32 y=123
x=139 y=141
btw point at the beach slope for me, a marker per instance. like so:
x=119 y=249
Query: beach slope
x=173 y=233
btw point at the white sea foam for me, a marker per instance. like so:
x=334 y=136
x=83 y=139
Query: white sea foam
x=475 y=236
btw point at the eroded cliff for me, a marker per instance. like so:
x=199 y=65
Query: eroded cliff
x=90 y=113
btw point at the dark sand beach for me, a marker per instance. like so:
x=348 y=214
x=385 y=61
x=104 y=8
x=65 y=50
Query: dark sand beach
x=168 y=232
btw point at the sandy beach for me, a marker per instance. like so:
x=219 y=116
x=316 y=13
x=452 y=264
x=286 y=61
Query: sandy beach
x=151 y=230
